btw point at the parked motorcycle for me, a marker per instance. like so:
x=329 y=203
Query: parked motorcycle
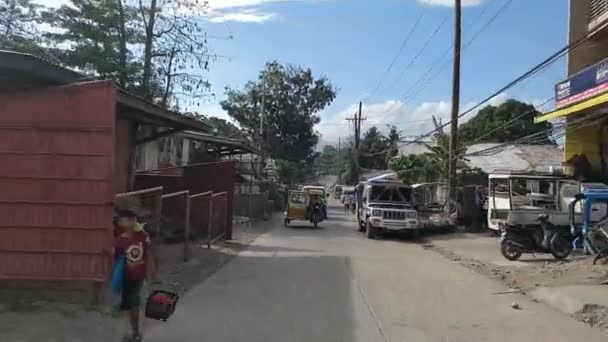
x=545 y=238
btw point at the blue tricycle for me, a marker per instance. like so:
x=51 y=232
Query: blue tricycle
x=592 y=230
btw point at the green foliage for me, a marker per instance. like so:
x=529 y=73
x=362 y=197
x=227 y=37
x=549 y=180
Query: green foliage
x=292 y=99
x=373 y=147
x=90 y=36
x=492 y=117
x=19 y=20
x=418 y=168
x=290 y=172
x=329 y=160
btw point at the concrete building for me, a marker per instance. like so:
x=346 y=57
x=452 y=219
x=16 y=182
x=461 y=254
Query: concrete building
x=582 y=98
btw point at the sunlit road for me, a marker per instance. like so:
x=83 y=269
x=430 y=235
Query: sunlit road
x=332 y=284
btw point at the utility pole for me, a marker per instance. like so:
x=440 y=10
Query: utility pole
x=339 y=161
x=357 y=123
x=453 y=155
x=262 y=145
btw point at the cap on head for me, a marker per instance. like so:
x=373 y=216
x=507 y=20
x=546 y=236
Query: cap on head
x=126 y=213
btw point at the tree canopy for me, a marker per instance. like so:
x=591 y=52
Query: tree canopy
x=292 y=98
x=491 y=118
x=154 y=48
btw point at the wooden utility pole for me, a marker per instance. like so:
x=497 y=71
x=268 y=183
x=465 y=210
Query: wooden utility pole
x=262 y=144
x=453 y=155
x=357 y=123
x=339 y=166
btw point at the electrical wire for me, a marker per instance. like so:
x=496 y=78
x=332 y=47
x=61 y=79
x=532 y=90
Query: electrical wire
x=425 y=45
x=407 y=94
x=537 y=68
x=401 y=48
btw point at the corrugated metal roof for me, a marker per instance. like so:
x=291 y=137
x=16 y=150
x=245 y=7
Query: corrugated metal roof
x=19 y=71
x=414 y=148
x=493 y=157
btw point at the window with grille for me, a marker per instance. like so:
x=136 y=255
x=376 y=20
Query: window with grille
x=595 y=10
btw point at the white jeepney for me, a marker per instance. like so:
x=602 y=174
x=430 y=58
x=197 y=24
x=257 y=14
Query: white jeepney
x=386 y=205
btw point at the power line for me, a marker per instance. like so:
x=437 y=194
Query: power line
x=420 y=51
x=407 y=95
x=401 y=48
x=540 y=66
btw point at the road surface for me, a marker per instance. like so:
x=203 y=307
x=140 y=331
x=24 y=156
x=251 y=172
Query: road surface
x=332 y=284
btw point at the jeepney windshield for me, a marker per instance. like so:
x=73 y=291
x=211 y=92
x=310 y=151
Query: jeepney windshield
x=391 y=193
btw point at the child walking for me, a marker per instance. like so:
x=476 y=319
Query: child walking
x=133 y=242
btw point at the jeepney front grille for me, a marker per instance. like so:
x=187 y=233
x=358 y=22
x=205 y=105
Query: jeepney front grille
x=393 y=215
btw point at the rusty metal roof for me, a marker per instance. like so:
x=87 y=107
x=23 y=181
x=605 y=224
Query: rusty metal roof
x=19 y=71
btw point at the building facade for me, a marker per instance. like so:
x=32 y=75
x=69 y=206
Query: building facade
x=582 y=97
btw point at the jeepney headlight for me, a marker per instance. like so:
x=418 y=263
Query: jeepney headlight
x=376 y=212
x=412 y=215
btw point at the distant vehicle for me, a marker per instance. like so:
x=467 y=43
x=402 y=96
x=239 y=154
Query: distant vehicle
x=337 y=191
x=432 y=205
x=519 y=198
x=304 y=206
x=386 y=206
x=318 y=189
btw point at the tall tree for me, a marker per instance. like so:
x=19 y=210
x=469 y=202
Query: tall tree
x=19 y=22
x=373 y=150
x=93 y=36
x=175 y=52
x=392 y=141
x=292 y=98
x=491 y=119
x=328 y=160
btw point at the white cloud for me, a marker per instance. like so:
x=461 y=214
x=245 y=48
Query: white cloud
x=245 y=16
x=411 y=121
x=450 y=3
x=224 y=4
x=244 y=11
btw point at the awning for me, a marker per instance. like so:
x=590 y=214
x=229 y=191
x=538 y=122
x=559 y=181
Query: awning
x=576 y=108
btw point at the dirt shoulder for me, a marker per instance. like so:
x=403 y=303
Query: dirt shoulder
x=481 y=253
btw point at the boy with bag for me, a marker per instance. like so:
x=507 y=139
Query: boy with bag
x=132 y=247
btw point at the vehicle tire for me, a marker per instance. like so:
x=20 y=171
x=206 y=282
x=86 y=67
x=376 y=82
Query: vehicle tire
x=370 y=232
x=560 y=247
x=601 y=255
x=506 y=249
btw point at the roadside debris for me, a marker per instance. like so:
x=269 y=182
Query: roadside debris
x=515 y=306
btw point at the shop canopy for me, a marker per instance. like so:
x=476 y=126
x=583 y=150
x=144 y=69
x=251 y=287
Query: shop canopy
x=573 y=109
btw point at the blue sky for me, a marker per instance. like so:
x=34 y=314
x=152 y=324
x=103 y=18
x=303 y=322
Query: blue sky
x=352 y=42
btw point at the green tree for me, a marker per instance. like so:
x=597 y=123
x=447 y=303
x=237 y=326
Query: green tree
x=416 y=168
x=373 y=150
x=290 y=172
x=392 y=142
x=328 y=160
x=486 y=126
x=292 y=98
x=93 y=35
x=19 y=22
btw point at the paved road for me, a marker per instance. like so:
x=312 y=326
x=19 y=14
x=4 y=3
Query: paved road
x=332 y=284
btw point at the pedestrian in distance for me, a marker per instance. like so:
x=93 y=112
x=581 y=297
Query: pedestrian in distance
x=132 y=246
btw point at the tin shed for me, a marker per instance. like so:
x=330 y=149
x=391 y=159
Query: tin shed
x=66 y=147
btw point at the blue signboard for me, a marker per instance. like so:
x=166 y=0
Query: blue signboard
x=583 y=85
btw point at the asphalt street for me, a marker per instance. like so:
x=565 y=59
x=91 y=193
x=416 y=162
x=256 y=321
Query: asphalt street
x=332 y=284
